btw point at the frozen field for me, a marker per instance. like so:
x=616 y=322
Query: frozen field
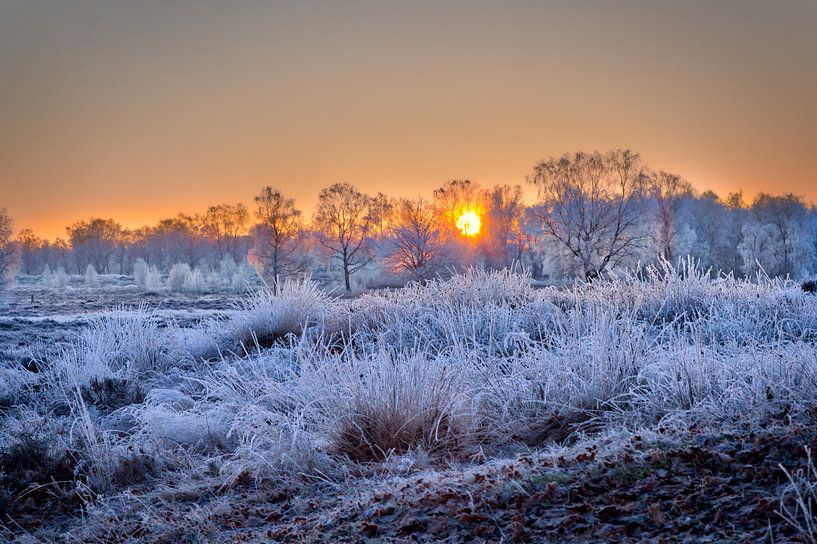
x=36 y=318
x=674 y=406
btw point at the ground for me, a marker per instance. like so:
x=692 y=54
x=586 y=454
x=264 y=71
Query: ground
x=476 y=409
x=35 y=317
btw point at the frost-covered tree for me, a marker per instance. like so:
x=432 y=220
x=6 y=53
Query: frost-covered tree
x=9 y=252
x=782 y=219
x=528 y=242
x=175 y=239
x=277 y=236
x=505 y=209
x=91 y=276
x=593 y=207
x=93 y=242
x=713 y=231
x=57 y=280
x=140 y=272
x=30 y=246
x=668 y=192
x=414 y=238
x=810 y=232
x=226 y=224
x=179 y=277
x=343 y=221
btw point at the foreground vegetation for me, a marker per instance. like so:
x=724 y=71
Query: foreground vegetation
x=664 y=403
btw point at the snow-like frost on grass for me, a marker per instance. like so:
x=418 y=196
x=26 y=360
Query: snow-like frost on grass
x=298 y=386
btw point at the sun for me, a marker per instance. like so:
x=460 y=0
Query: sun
x=468 y=223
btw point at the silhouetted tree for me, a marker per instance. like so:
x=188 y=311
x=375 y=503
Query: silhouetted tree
x=505 y=209
x=415 y=238
x=452 y=199
x=226 y=223
x=30 y=247
x=93 y=242
x=343 y=220
x=668 y=191
x=277 y=235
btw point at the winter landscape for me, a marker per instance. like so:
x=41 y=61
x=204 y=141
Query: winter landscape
x=320 y=340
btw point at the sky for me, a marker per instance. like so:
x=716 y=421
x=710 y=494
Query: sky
x=139 y=110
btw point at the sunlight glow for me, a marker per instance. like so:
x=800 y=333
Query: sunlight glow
x=469 y=223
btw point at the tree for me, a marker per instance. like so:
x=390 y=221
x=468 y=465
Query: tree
x=226 y=223
x=9 y=253
x=527 y=241
x=415 y=238
x=277 y=235
x=715 y=229
x=381 y=211
x=592 y=206
x=454 y=198
x=343 y=220
x=176 y=239
x=668 y=191
x=29 y=245
x=505 y=209
x=785 y=217
x=93 y=242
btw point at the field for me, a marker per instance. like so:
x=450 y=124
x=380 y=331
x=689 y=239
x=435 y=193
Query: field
x=479 y=408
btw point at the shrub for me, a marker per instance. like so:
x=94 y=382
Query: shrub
x=140 y=272
x=387 y=406
x=179 y=277
x=91 y=276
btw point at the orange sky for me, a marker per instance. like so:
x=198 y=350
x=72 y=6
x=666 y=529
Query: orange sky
x=137 y=110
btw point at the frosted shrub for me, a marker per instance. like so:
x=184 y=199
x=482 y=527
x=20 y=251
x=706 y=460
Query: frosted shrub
x=147 y=277
x=153 y=280
x=241 y=278
x=196 y=282
x=60 y=279
x=140 y=272
x=122 y=344
x=47 y=278
x=179 y=276
x=265 y=318
x=387 y=406
x=91 y=276
x=227 y=269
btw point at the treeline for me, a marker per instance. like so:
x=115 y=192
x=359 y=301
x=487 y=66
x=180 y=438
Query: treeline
x=595 y=212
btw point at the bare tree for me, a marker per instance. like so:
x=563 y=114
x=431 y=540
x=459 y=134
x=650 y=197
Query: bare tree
x=381 y=211
x=93 y=242
x=29 y=245
x=226 y=223
x=592 y=206
x=343 y=220
x=277 y=235
x=785 y=216
x=668 y=191
x=415 y=238
x=9 y=253
x=452 y=199
x=177 y=239
x=505 y=208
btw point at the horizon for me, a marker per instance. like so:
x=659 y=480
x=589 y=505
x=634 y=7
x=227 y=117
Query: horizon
x=140 y=111
x=529 y=196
